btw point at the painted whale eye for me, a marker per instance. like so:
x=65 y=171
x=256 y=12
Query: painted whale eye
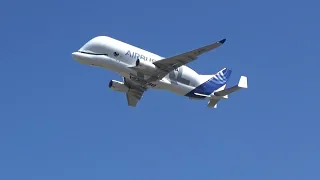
x=116 y=54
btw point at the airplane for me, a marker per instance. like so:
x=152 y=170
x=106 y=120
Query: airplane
x=142 y=70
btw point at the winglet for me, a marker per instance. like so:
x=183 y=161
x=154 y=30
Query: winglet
x=243 y=82
x=222 y=41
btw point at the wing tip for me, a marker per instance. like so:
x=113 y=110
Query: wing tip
x=222 y=41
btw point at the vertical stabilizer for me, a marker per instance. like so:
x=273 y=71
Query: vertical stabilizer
x=216 y=82
x=212 y=84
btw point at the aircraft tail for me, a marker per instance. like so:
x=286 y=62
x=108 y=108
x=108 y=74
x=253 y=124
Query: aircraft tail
x=223 y=93
x=217 y=81
x=212 y=83
x=221 y=78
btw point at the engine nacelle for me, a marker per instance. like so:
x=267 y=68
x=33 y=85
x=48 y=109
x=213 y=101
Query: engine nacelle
x=145 y=65
x=118 y=86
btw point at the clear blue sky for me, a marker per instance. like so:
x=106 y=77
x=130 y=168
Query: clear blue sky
x=59 y=120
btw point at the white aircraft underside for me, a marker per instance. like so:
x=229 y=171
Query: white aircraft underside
x=142 y=70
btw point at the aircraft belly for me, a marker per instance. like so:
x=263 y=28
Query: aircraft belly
x=180 y=88
x=122 y=69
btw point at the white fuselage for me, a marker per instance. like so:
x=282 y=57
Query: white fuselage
x=118 y=57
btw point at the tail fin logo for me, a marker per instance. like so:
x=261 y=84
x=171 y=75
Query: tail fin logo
x=222 y=76
x=217 y=81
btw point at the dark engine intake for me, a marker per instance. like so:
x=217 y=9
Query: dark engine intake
x=145 y=66
x=118 y=86
x=138 y=62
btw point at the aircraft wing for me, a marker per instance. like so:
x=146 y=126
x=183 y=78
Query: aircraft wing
x=166 y=65
x=135 y=92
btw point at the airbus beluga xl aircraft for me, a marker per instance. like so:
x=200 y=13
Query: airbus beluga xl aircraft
x=142 y=70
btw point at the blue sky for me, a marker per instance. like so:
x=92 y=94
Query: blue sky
x=59 y=120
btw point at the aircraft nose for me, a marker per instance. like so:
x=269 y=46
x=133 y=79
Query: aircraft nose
x=76 y=56
x=82 y=57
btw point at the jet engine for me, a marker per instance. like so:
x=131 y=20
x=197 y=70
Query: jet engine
x=118 y=86
x=145 y=65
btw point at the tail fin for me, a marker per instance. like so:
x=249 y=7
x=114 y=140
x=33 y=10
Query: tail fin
x=212 y=84
x=219 y=80
x=222 y=76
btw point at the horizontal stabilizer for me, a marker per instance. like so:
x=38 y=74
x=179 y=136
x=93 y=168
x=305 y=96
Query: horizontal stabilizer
x=213 y=103
x=243 y=83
